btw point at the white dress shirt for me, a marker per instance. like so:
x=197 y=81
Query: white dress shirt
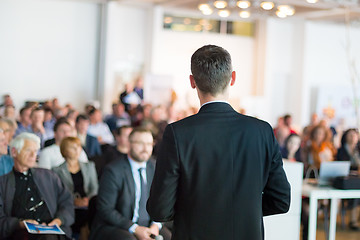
x=102 y=130
x=136 y=176
x=51 y=157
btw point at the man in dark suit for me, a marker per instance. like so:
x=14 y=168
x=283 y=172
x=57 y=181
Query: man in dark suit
x=89 y=143
x=218 y=172
x=124 y=188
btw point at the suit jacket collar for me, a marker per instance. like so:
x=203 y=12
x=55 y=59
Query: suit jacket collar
x=130 y=179
x=216 y=107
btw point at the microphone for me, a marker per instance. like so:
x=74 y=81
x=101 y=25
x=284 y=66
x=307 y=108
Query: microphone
x=158 y=237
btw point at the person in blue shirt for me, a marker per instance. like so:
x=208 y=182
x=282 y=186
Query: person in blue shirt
x=6 y=162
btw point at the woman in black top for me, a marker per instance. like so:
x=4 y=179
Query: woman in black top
x=80 y=178
x=350 y=151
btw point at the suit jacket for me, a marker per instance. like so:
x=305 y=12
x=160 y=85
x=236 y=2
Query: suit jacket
x=88 y=172
x=57 y=198
x=116 y=197
x=92 y=146
x=217 y=174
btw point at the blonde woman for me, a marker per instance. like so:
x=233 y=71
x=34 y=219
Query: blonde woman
x=79 y=177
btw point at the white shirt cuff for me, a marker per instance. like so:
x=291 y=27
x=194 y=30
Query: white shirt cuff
x=158 y=224
x=132 y=228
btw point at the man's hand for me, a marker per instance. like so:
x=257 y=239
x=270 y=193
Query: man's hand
x=154 y=229
x=55 y=221
x=22 y=224
x=81 y=202
x=142 y=233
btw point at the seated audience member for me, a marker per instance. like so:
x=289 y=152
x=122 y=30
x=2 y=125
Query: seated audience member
x=320 y=148
x=80 y=178
x=32 y=194
x=115 y=152
x=71 y=116
x=50 y=156
x=350 y=151
x=288 y=123
x=281 y=131
x=89 y=143
x=7 y=102
x=99 y=129
x=25 y=121
x=291 y=149
x=49 y=120
x=124 y=188
x=139 y=87
x=12 y=128
x=122 y=142
x=118 y=118
x=9 y=112
x=37 y=125
x=6 y=162
x=128 y=89
x=4 y=125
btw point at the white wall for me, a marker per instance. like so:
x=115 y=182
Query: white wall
x=48 y=49
x=126 y=47
x=171 y=54
x=325 y=64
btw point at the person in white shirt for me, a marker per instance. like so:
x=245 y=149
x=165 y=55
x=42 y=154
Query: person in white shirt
x=51 y=157
x=99 y=129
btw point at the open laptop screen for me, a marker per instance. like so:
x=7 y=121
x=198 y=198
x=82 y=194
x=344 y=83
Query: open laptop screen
x=330 y=170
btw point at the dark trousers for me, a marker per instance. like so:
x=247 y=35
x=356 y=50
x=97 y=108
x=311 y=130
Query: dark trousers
x=114 y=233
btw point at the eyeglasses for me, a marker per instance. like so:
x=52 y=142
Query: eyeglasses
x=148 y=144
x=33 y=209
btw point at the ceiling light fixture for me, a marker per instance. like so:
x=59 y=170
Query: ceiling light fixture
x=224 y=13
x=267 y=5
x=203 y=6
x=243 y=4
x=244 y=14
x=208 y=11
x=281 y=14
x=312 y=1
x=288 y=10
x=253 y=8
x=220 y=4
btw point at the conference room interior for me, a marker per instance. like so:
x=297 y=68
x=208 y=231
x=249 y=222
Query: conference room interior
x=300 y=72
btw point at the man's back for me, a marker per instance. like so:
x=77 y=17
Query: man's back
x=217 y=174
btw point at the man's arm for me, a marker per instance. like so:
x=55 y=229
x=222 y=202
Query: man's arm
x=108 y=196
x=276 y=194
x=161 y=203
x=8 y=224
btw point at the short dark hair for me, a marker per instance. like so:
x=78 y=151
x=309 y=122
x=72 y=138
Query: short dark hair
x=92 y=111
x=140 y=130
x=36 y=109
x=211 y=68
x=23 y=109
x=81 y=117
x=118 y=130
x=59 y=122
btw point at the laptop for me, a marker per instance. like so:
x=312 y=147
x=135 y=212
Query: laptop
x=331 y=170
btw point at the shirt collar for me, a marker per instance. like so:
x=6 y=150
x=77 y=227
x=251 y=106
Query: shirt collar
x=136 y=165
x=215 y=101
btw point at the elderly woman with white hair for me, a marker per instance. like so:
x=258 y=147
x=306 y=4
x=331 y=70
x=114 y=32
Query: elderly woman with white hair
x=32 y=194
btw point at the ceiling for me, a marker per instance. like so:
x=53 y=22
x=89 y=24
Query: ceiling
x=329 y=10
